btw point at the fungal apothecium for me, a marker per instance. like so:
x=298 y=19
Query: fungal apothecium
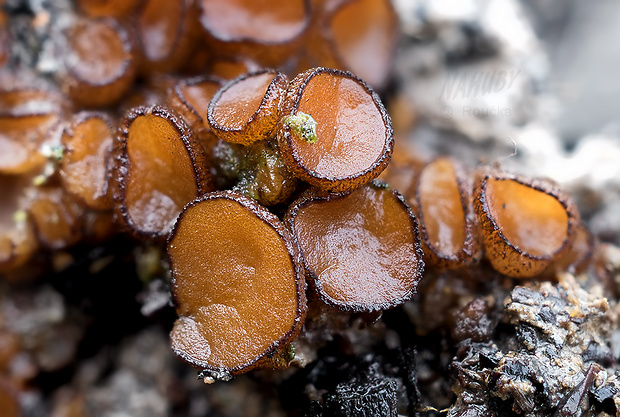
x=443 y=202
x=160 y=167
x=361 y=250
x=227 y=278
x=85 y=165
x=335 y=133
x=307 y=149
x=237 y=281
x=527 y=224
x=100 y=65
x=245 y=110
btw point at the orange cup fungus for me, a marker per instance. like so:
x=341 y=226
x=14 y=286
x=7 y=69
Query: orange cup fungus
x=355 y=35
x=100 y=63
x=229 y=67
x=575 y=259
x=21 y=138
x=86 y=161
x=26 y=118
x=245 y=110
x=267 y=31
x=526 y=224
x=363 y=34
x=160 y=168
x=443 y=202
x=167 y=33
x=334 y=131
x=361 y=250
x=110 y=8
x=238 y=272
x=237 y=282
x=57 y=218
x=190 y=98
x=17 y=236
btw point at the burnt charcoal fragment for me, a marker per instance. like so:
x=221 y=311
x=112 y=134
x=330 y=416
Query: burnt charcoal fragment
x=552 y=366
x=547 y=315
x=599 y=353
x=604 y=399
x=474 y=321
x=376 y=397
x=475 y=411
x=315 y=409
x=409 y=374
x=576 y=402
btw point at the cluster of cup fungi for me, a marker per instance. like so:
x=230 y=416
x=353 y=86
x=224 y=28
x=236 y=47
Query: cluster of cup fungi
x=257 y=183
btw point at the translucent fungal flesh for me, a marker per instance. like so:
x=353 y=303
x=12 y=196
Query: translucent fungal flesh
x=100 y=62
x=190 y=98
x=235 y=284
x=361 y=250
x=530 y=219
x=161 y=176
x=267 y=21
x=246 y=109
x=229 y=67
x=241 y=101
x=353 y=132
x=159 y=27
x=364 y=34
x=442 y=208
x=23 y=102
x=85 y=161
x=20 y=140
x=167 y=33
x=199 y=95
x=576 y=258
x=56 y=217
x=99 y=53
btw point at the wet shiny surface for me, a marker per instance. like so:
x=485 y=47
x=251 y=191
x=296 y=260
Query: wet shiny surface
x=241 y=101
x=364 y=34
x=531 y=220
x=351 y=134
x=234 y=288
x=261 y=21
x=84 y=166
x=159 y=26
x=441 y=207
x=99 y=53
x=360 y=248
x=161 y=178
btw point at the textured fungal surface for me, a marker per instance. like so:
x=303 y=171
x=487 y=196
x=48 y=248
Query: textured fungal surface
x=311 y=208
x=353 y=132
x=162 y=168
x=525 y=225
x=271 y=22
x=444 y=203
x=361 y=249
x=85 y=164
x=237 y=283
x=246 y=109
x=100 y=63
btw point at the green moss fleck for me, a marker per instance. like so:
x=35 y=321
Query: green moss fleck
x=303 y=125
